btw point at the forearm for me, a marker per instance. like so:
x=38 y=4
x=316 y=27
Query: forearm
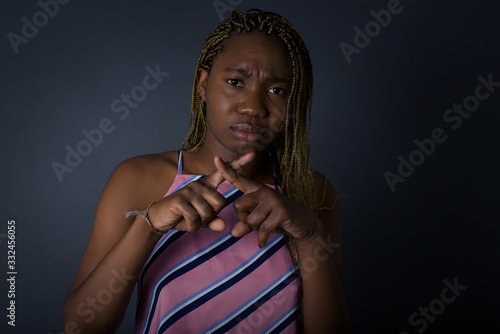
x=99 y=303
x=325 y=304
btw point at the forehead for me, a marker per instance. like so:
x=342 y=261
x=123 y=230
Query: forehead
x=256 y=50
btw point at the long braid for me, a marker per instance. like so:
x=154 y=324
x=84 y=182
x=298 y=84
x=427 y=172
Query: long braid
x=292 y=146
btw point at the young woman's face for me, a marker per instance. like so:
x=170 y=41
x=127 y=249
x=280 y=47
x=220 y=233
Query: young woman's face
x=246 y=93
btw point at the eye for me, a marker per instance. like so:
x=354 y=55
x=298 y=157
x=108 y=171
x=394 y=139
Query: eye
x=277 y=91
x=234 y=82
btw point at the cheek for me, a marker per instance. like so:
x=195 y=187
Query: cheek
x=218 y=103
x=277 y=124
x=276 y=127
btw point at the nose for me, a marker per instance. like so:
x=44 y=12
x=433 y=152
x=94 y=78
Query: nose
x=254 y=104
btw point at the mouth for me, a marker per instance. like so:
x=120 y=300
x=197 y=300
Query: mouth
x=247 y=132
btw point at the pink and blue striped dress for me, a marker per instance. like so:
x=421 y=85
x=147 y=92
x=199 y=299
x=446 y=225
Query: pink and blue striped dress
x=212 y=282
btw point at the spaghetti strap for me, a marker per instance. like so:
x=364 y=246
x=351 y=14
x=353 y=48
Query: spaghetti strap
x=179 y=163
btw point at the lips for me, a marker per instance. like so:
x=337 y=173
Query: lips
x=247 y=132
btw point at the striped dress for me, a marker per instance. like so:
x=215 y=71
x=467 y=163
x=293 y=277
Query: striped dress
x=212 y=282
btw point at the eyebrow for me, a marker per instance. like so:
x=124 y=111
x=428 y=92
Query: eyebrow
x=247 y=74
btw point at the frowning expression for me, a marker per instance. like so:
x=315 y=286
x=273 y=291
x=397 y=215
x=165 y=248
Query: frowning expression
x=246 y=92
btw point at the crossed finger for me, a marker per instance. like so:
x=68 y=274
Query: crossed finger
x=228 y=171
x=252 y=211
x=210 y=194
x=224 y=170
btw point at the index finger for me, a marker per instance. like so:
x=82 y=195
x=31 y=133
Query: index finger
x=241 y=182
x=216 y=177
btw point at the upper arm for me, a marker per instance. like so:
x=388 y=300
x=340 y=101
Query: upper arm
x=129 y=187
x=329 y=213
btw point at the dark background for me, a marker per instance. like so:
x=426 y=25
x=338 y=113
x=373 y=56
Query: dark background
x=398 y=247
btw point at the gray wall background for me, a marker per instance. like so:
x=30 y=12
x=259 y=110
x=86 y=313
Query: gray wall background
x=399 y=246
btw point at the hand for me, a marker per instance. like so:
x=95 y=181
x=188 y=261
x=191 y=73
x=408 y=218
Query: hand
x=266 y=210
x=196 y=205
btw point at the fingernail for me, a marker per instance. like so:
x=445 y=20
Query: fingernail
x=248 y=152
x=260 y=246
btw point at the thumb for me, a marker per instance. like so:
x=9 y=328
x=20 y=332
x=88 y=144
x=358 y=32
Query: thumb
x=217 y=224
x=240 y=229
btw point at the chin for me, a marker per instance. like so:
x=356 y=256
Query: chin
x=245 y=147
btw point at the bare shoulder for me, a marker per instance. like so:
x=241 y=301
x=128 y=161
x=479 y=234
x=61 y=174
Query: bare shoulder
x=144 y=175
x=328 y=208
x=324 y=191
x=148 y=166
x=329 y=213
x=134 y=184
